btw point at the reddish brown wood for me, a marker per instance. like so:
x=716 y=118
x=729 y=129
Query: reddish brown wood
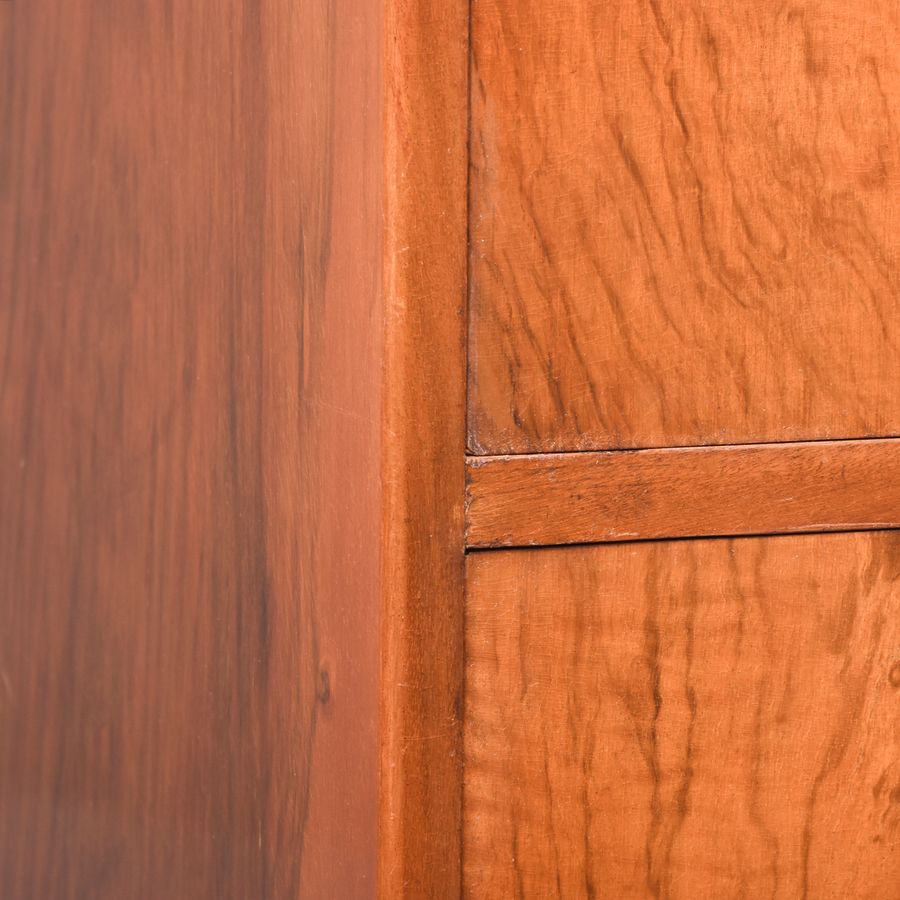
x=686 y=719
x=190 y=363
x=232 y=391
x=683 y=223
x=426 y=65
x=765 y=489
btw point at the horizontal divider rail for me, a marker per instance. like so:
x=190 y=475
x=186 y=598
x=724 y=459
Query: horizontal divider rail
x=625 y=495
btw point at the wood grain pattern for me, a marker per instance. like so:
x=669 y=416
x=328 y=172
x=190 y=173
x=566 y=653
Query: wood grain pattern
x=685 y=719
x=190 y=331
x=570 y=498
x=684 y=223
x=426 y=70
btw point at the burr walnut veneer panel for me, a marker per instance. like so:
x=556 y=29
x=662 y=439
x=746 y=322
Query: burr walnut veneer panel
x=684 y=223
x=692 y=720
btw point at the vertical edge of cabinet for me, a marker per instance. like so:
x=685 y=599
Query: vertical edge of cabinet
x=425 y=95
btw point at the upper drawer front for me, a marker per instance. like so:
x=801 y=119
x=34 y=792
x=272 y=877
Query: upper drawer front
x=684 y=222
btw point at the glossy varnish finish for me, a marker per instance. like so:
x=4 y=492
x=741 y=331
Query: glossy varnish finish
x=685 y=719
x=189 y=408
x=683 y=223
x=570 y=498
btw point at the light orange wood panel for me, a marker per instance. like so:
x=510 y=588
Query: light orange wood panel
x=684 y=223
x=570 y=498
x=701 y=719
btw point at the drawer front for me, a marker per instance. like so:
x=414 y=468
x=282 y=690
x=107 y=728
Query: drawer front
x=685 y=719
x=683 y=223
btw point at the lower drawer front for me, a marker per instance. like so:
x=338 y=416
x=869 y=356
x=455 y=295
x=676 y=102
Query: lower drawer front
x=685 y=719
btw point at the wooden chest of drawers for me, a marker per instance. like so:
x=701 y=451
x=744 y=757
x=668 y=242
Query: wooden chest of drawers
x=450 y=449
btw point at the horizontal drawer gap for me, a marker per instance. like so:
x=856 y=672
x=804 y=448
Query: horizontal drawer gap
x=597 y=497
x=472 y=452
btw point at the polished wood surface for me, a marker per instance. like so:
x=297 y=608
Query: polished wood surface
x=189 y=475
x=570 y=498
x=685 y=719
x=425 y=165
x=235 y=247
x=684 y=223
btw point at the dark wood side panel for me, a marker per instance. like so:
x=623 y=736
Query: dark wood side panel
x=684 y=223
x=189 y=428
x=686 y=719
x=575 y=498
x=426 y=65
